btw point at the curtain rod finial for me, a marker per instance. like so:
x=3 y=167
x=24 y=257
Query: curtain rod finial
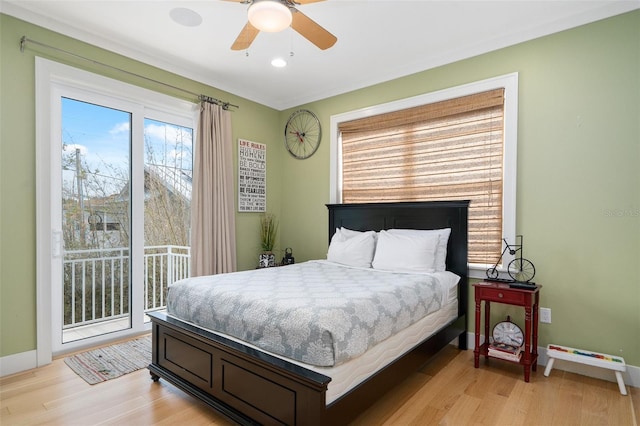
x=23 y=41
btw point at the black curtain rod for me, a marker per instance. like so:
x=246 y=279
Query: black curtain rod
x=203 y=98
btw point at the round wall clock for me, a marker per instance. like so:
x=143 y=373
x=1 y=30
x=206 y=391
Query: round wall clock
x=508 y=333
x=302 y=134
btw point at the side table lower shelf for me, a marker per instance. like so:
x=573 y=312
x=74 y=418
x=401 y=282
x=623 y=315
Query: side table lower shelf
x=484 y=351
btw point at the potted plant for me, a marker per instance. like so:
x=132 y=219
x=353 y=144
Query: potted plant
x=268 y=232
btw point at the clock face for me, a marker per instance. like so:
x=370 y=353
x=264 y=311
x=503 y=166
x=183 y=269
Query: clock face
x=508 y=333
x=302 y=134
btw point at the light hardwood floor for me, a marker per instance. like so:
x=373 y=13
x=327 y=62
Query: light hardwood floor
x=448 y=391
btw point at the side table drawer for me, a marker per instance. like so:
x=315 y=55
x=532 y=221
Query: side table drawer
x=501 y=295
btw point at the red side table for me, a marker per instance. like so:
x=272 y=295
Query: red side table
x=488 y=292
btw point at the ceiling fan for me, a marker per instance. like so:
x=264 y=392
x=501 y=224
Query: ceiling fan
x=276 y=15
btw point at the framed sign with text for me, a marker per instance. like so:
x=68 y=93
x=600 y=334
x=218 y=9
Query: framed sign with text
x=252 y=176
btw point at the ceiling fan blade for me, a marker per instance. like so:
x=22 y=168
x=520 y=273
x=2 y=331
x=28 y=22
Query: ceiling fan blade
x=245 y=38
x=310 y=30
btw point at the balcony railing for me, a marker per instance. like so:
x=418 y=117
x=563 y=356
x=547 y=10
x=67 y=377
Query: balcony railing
x=96 y=282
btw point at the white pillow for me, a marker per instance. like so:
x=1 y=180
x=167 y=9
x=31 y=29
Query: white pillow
x=348 y=233
x=405 y=253
x=352 y=248
x=440 y=263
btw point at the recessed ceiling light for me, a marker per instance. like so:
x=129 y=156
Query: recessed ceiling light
x=186 y=17
x=279 y=63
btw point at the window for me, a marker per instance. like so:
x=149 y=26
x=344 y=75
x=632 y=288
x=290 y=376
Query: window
x=454 y=144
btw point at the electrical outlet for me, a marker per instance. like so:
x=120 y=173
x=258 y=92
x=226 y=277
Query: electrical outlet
x=545 y=315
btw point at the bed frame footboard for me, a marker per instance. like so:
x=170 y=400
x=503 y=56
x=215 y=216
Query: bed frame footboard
x=248 y=386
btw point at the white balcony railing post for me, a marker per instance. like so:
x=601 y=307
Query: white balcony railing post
x=170 y=261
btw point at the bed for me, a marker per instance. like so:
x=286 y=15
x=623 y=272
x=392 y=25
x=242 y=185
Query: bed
x=253 y=386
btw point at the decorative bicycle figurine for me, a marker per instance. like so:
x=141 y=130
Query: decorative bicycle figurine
x=520 y=269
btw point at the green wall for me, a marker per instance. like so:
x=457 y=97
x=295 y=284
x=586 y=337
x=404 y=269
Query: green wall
x=578 y=180
x=578 y=176
x=251 y=121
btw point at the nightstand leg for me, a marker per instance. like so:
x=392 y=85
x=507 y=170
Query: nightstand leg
x=536 y=319
x=476 y=352
x=487 y=321
x=527 y=341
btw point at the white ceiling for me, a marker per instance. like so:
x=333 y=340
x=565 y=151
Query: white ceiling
x=378 y=40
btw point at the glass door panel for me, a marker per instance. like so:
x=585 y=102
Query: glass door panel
x=168 y=174
x=96 y=152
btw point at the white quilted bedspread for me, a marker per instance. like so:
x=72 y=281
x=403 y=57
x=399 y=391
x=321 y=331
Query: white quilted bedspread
x=316 y=312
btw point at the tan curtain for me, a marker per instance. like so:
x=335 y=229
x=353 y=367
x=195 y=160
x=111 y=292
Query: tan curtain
x=448 y=150
x=213 y=235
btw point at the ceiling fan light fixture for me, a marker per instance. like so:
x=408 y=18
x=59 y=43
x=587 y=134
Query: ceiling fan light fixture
x=269 y=15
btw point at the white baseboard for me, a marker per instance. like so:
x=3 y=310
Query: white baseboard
x=16 y=363
x=631 y=376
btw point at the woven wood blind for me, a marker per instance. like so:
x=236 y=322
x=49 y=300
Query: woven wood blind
x=449 y=150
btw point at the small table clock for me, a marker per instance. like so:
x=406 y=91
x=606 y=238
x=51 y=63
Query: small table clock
x=508 y=332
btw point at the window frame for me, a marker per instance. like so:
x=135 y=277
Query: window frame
x=510 y=83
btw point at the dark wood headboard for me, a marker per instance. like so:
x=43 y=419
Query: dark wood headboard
x=412 y=215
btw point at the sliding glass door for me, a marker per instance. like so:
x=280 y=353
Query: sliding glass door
x=114 y=202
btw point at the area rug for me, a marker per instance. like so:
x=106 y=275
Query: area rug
x=113 y=361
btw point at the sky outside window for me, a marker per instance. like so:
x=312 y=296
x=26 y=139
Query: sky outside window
x=97 y=138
